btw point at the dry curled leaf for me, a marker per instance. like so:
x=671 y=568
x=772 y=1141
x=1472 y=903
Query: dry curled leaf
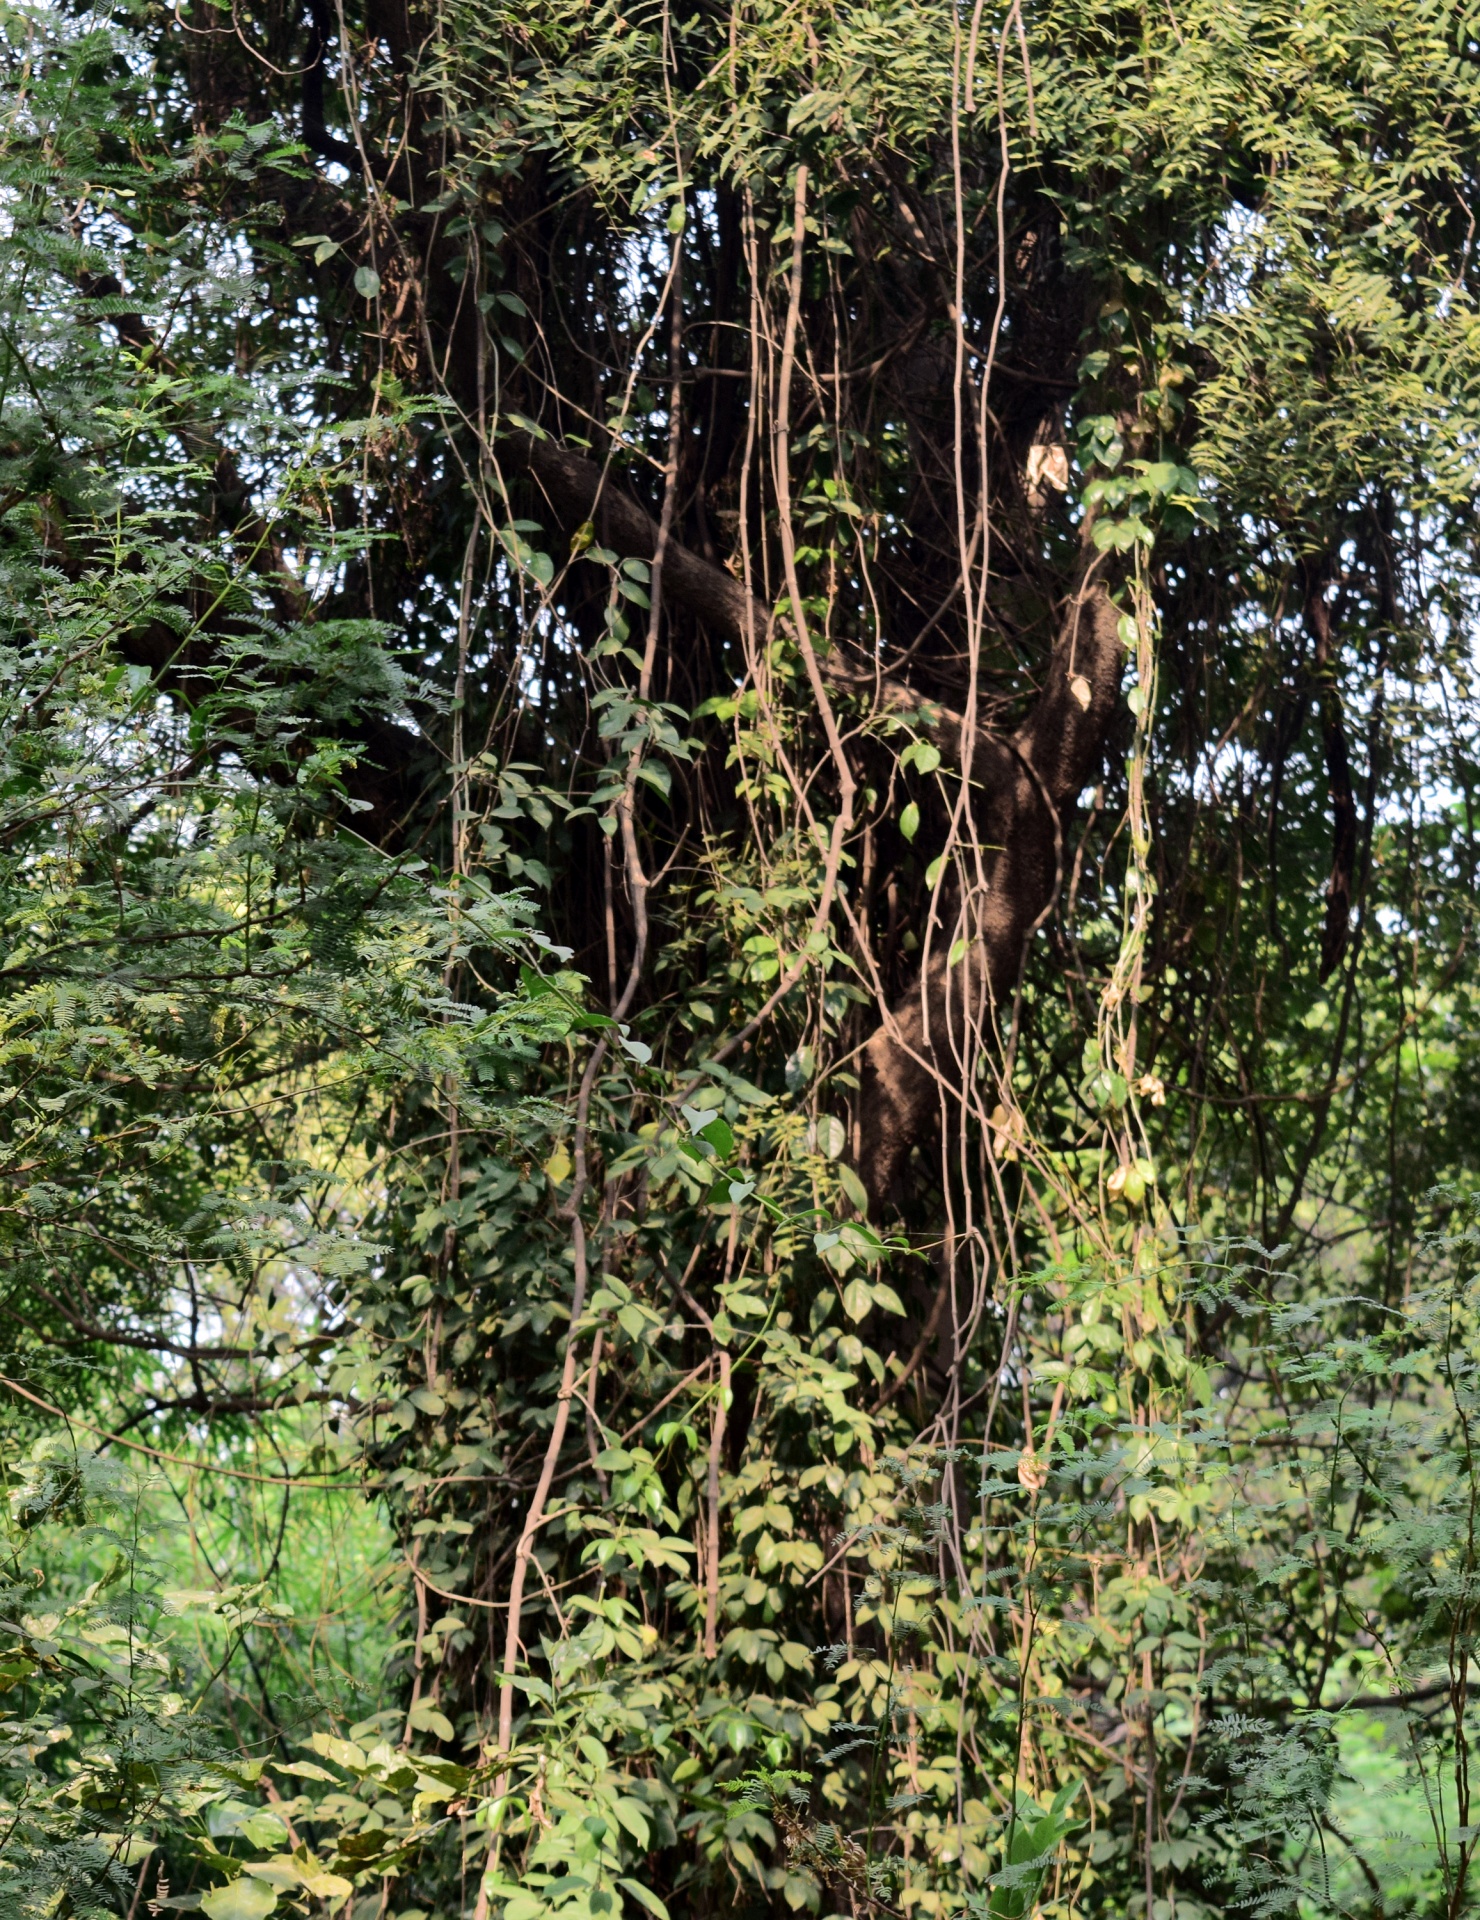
x=1048 y=466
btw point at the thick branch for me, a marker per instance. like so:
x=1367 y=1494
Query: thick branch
x=580 y=491
x=316 y=135
x=1028 y=781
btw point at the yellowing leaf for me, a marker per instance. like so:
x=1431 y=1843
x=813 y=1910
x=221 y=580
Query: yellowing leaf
x=425 y=1717
x=344 y=1753
x=244 y=1899
x=328 y=1886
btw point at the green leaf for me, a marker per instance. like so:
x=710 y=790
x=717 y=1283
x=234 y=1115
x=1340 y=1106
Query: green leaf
x=645 y=1897
x=909 y=821
x=633 y=1321
x=344 y=1753
x=367 y=283
x=243 y=1899
x=324 y=1885
x=426 y=1718
x=853 y=1187
x=923 y=754
x=657 y=776
x=858 y=1297
x=633 y=1816
x=265 y=1829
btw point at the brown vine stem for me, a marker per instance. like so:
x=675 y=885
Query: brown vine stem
x=711 y=1540
x=637 y=881
x=525 y=1550
x=413 y=1560
x=847 y=786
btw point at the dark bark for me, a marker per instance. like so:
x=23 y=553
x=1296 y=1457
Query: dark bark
x=579 y=490
x=1336 y=924
x=1028 y=781
x=316 y=135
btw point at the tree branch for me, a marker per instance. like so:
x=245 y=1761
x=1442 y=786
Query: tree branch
x=1335 y=927
x=1028 y=781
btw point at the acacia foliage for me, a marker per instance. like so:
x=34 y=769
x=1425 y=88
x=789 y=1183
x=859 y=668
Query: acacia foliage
x=647 y=459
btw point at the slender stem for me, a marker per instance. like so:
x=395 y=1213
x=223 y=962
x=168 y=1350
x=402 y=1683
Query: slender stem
x=711 y=1571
